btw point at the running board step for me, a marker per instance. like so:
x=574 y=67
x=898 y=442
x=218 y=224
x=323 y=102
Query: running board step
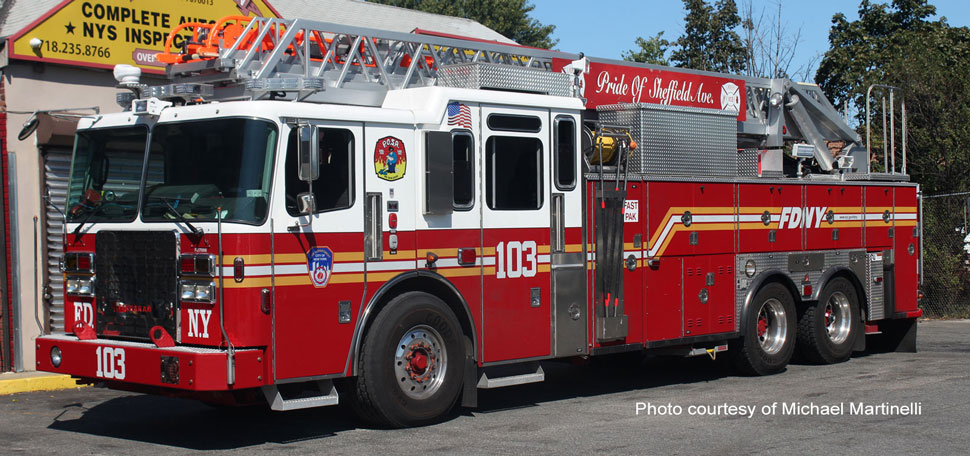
x=294 y=397
x=534 y=376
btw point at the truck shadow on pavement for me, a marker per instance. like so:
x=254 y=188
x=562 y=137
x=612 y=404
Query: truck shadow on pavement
x=196 y=426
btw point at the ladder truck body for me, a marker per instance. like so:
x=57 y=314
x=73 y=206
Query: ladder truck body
x=310 y=213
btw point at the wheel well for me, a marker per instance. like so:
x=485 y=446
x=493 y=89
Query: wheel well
x=432 y=284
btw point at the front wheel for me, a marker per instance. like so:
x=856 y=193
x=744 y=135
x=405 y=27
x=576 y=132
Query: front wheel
x=768 y=336
x=827 y=329
x=410 y=370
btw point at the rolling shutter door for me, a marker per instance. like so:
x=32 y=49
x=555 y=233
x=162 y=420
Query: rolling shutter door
x=57 y=170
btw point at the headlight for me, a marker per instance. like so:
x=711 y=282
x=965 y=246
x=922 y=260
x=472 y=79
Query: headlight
x=72 y=286
x=55 y=356
x=188 y=292
x=200 y=292
x=203 y=292
x=80 y=286
x=750 y=268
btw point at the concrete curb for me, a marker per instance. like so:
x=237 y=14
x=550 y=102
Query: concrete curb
x=24 y=383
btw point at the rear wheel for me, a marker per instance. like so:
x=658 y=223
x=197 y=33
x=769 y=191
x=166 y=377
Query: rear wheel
x=827 y=329
x=410 y=369
x=768 y=338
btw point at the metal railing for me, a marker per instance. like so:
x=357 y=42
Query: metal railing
x=888 y=136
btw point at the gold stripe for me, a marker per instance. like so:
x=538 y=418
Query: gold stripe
x=574 y=248
x=906 y=223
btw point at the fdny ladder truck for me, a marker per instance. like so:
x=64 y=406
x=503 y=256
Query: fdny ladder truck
x=311 y=213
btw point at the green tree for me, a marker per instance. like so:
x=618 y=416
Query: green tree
x=860 y=50
x=710 y=41
x=929 y=61
x=651 y=50
x=507 y=17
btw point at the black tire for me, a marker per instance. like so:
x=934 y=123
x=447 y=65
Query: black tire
x=765 y=349
x=396 y=391
x=827 y=329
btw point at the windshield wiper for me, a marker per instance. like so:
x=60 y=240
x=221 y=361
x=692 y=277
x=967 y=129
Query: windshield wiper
x=93 y=210
x=178 y=214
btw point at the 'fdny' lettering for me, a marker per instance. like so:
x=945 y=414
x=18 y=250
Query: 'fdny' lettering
x=797 y=217
x=197 y=316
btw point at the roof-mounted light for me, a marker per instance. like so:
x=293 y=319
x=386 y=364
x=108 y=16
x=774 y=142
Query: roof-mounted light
x=151 y=106
x=127 y=74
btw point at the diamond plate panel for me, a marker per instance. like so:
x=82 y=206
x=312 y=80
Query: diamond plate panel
x=877 y=301
x=748 y=163
x=678 y=140
x=480 y=75
x=779 y=261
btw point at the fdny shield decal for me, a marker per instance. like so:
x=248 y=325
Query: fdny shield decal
x=320 y=265
x=390 y=159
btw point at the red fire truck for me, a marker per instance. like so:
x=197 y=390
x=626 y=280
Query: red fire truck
x=312 y=212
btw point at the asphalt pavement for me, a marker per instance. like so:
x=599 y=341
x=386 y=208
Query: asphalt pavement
x=874 y=404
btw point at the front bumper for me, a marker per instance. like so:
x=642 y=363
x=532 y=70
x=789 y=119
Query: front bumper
x=197 y=369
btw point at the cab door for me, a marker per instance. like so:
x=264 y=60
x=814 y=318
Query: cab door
x=317 y=261
x=515 y=233
x=566 y=256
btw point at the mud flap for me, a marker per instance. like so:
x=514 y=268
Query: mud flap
x=469 y=395
x=860 y=335
x=900 y=336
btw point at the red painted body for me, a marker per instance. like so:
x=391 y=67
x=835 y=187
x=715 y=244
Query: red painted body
x=679 y=288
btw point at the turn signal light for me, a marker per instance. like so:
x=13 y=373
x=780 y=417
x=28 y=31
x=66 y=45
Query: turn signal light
x=467 y=256
x=238 y=269
x=78 y=262
x=198 y=265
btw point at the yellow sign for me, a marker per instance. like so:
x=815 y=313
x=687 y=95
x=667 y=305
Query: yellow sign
x=103 y=33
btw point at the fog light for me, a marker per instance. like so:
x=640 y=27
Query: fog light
x=750 y=268
x=56 y=356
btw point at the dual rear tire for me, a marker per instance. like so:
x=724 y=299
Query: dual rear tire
x=827 y=329
x=823 y=332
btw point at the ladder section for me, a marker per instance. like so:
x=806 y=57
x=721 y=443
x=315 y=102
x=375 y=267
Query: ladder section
x=243 y=57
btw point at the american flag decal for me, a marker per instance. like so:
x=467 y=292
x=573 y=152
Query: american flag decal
x=459 y=114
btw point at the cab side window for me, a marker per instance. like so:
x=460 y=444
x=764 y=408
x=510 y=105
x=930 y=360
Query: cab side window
x=334 y=190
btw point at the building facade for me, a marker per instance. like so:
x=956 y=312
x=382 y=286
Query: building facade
x=56 y=58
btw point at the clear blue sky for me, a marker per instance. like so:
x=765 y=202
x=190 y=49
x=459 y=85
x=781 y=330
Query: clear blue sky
x=606 y=28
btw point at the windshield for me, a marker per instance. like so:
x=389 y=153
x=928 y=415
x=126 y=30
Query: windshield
x=194 y=168
x=106 y=174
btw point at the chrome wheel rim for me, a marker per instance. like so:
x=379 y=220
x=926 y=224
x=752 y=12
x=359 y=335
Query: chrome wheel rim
x=772 y=326
x=838 y=321
x=420 y=360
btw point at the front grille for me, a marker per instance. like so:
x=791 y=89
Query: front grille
x=137 y=282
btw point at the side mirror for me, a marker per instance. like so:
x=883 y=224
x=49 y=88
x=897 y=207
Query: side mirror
x=307 y=203
x=308 y=154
